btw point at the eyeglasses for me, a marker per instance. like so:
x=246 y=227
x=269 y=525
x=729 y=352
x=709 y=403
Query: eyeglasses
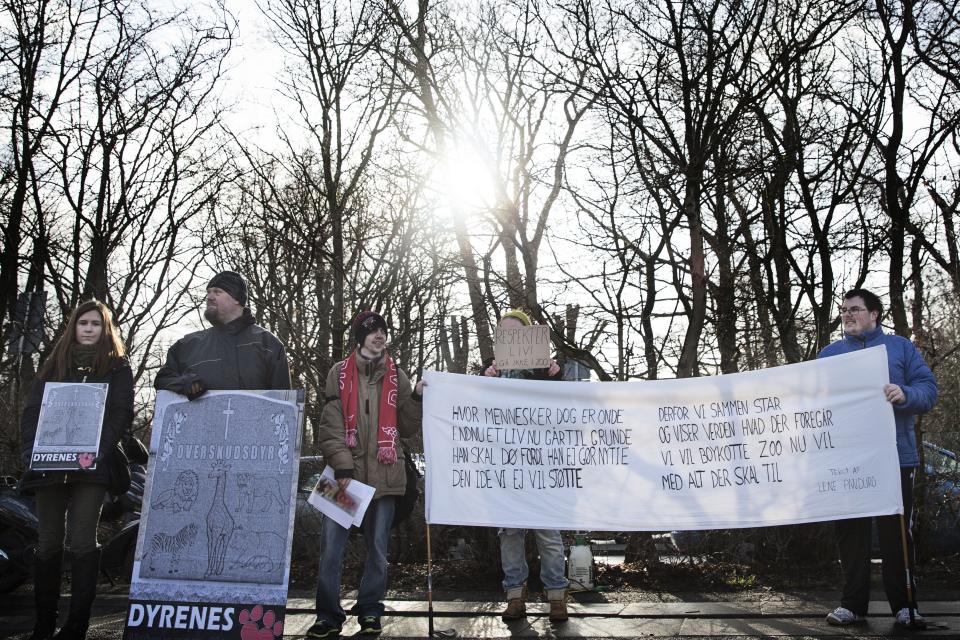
x=851 y=310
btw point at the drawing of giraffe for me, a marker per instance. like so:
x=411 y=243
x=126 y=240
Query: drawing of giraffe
x=220 y=524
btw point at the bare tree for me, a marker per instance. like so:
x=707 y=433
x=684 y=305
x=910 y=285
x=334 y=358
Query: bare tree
x=110 y=170
x=112 y=156
x=38 y=40
x=336 y=220
x=616 y=226
x=419 y=35
x=344 y=98
x=916 y=77
x=133 y=173
x=521 y=109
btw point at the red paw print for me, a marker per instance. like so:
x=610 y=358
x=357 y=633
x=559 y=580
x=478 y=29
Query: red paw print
x=252 y=620
x=85 y=460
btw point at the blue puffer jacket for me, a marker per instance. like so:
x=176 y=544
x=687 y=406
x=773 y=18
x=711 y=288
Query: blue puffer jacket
x=910 y=372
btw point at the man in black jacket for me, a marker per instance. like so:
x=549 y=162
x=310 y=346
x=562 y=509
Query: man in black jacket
x=235 y=353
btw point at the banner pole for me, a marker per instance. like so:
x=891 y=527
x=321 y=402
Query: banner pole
x=429 y=585
x=443 y=633
x=911 y=605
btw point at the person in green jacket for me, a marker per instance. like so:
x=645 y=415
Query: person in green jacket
x=513 y=555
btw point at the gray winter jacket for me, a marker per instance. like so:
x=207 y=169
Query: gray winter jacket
x=237 y=355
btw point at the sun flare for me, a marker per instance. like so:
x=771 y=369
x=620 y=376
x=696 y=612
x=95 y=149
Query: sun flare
x=465 y=178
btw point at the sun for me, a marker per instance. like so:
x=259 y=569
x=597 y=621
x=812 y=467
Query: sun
x=466 y=178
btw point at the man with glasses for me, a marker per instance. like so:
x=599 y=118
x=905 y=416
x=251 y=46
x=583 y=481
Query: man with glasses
x=912 y=390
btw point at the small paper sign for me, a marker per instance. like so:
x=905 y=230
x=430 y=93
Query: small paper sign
x=522 y=347
x=345 y=506
x=68 y=431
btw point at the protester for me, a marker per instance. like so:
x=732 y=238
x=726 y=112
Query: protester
x=68 y=502
x=513 y=555
x=369 y=405
x=234 y=353
x=912 y=390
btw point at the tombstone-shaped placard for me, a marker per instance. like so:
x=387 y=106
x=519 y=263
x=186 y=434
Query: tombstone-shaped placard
x=522 y=347
x=68 y=431
x=213 y=552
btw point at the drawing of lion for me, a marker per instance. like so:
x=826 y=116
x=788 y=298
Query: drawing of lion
x=182 y=495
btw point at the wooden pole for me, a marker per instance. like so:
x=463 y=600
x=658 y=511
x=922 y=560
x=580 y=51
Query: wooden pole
x=429 y=586
x=911 y=605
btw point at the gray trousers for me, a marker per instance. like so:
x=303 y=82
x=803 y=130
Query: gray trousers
x=73 y=507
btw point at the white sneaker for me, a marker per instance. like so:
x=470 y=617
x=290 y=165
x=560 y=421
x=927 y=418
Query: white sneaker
x=903 y=619
x=841 y=617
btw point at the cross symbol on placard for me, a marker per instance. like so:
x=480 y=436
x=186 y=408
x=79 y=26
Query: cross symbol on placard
x=227 y=412
x=73 y=405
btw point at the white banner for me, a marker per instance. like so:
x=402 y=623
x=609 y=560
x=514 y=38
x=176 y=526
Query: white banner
x=800 y=443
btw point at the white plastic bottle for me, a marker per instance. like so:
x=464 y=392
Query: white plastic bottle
x=580 y=565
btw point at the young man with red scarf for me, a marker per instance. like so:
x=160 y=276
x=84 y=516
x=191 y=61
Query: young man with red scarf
x=369 y=406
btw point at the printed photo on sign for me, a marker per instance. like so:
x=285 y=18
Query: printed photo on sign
x=345 y=506
x=332 y=493
x=522 y=347
x=219 y=504
x=68 y=431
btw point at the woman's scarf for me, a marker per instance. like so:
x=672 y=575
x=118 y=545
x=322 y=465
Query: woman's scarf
x=349 y=400
x=82 y=356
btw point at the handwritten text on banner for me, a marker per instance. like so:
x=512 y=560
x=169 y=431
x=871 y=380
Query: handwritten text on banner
x=800 y=443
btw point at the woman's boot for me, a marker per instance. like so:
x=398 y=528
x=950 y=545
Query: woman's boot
x=46 y=595
x=83 y=589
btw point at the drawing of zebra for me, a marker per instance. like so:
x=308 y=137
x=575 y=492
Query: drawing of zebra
x=172 y=547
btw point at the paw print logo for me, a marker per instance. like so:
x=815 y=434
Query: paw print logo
x=85 y=460
x=257 y=625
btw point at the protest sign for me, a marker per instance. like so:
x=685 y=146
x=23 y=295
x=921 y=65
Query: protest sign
x=213 y=552
x=800 y=443
x=68 y=430
x=522 y=347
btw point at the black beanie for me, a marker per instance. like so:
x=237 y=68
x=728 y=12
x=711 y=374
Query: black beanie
x=233 y=283
x=366 y=323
